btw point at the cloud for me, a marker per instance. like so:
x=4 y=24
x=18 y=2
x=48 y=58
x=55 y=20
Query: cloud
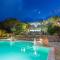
x=54 y=12
x=39 y=12
x=57 y=11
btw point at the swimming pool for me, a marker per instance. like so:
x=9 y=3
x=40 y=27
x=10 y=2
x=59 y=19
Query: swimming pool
x=22 y=50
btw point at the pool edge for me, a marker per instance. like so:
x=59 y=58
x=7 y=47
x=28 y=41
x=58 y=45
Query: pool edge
x=51 y=55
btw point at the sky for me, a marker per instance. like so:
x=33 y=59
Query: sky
x=29 y=10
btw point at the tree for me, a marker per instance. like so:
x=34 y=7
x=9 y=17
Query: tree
x=53 y=30
x=10 y=23
x=2 y=33
x=53 y=26
x=22 y=27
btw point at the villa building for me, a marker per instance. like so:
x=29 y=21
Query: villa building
x=37 y=28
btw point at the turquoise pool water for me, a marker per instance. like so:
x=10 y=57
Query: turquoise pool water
x=22 y=50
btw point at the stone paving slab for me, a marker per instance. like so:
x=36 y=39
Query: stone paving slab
x=56 y=45
x=51 y=55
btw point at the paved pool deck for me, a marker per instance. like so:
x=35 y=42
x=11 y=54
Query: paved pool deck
x=56 y=45
x=51 y=55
